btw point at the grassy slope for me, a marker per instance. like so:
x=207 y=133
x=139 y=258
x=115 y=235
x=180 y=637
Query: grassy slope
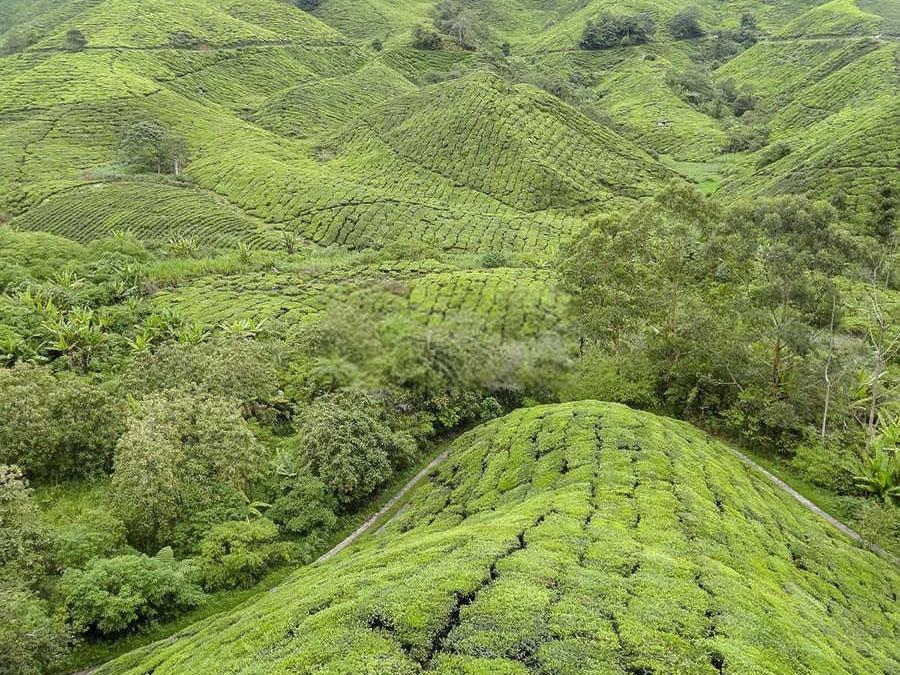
x=262 y=104
x=572 y=538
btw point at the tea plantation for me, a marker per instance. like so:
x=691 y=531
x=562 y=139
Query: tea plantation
x=262 y=261
x=576 y=538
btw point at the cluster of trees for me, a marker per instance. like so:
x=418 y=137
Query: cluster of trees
x=618 y=30
x=774 y=321
x=714 y=98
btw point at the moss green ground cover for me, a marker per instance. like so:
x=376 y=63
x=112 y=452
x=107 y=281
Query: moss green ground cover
x=573 y=538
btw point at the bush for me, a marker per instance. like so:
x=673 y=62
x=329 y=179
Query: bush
x=32 y=639
x=685 y=24
x=304 y=508
x=237 y=554
x=75 y=40
x=425 y=38
x=493 y=259
x=113 y=595
x=617 y=30
x=346 y=442
x=308 y=5
x=56 y=427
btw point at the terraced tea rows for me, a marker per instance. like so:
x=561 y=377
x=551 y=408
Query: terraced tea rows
x=151 y=211
x=577 y=538
x=514 y=303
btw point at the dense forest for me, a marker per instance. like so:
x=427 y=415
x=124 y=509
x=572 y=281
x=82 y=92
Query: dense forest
x=261 y=262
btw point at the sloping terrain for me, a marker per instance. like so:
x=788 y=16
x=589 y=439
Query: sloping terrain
x=575 y=538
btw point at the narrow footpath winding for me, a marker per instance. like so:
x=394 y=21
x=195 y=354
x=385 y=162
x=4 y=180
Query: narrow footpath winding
x=362 y=529
x=850 y=532
x=853 y=534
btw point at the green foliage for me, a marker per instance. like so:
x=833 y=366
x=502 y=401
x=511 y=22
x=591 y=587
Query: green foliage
x=178 y=453
x=425 y=38
x=56 y=426
x=880 y=470
x=618 y=30
x=304 y=507
x=572 y=538
x=148 y=146
x=113 y=595
x=33 y=640
x=345 y=441
x=237 y=553
x=685 y=24
x=24 y=540
x=96 y=533
x=240 y=369
x=75 y=40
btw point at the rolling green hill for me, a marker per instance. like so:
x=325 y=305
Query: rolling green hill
x=293 y=120
x=577 y=538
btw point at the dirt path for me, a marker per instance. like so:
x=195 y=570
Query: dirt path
x=853 y=534
x=362 y=529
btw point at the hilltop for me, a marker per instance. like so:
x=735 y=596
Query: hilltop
x=573 y=538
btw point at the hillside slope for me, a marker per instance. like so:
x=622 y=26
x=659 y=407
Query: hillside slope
x=575 y=538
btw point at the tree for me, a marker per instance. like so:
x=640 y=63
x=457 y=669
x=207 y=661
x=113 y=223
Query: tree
x=424 y=38
x=75 y=40
x=56 y=426
x=617 y=30
x=455 y=20
x=749 y=31
x=112 y=595
x=236 y=554
x=19 y=40
x=24 y=542
x=344 y=440
x=148 y=146
x=685 y=25
x=178 y=454
x=884 y=216
x=304 y=507
x=308 y=5
x=33 y=639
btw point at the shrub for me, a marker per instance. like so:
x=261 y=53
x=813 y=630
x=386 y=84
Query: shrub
x=56 y=427
x=177 y=457
x=113 y=595
x=425 y=38
x=346 y=442
x=308 y=5
x=685 y=25
x=184 y=40
x=879 y=473
x=32 y=639
x=617 y=30
x=493 y=259
x=236 y=554
x=75 y=40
